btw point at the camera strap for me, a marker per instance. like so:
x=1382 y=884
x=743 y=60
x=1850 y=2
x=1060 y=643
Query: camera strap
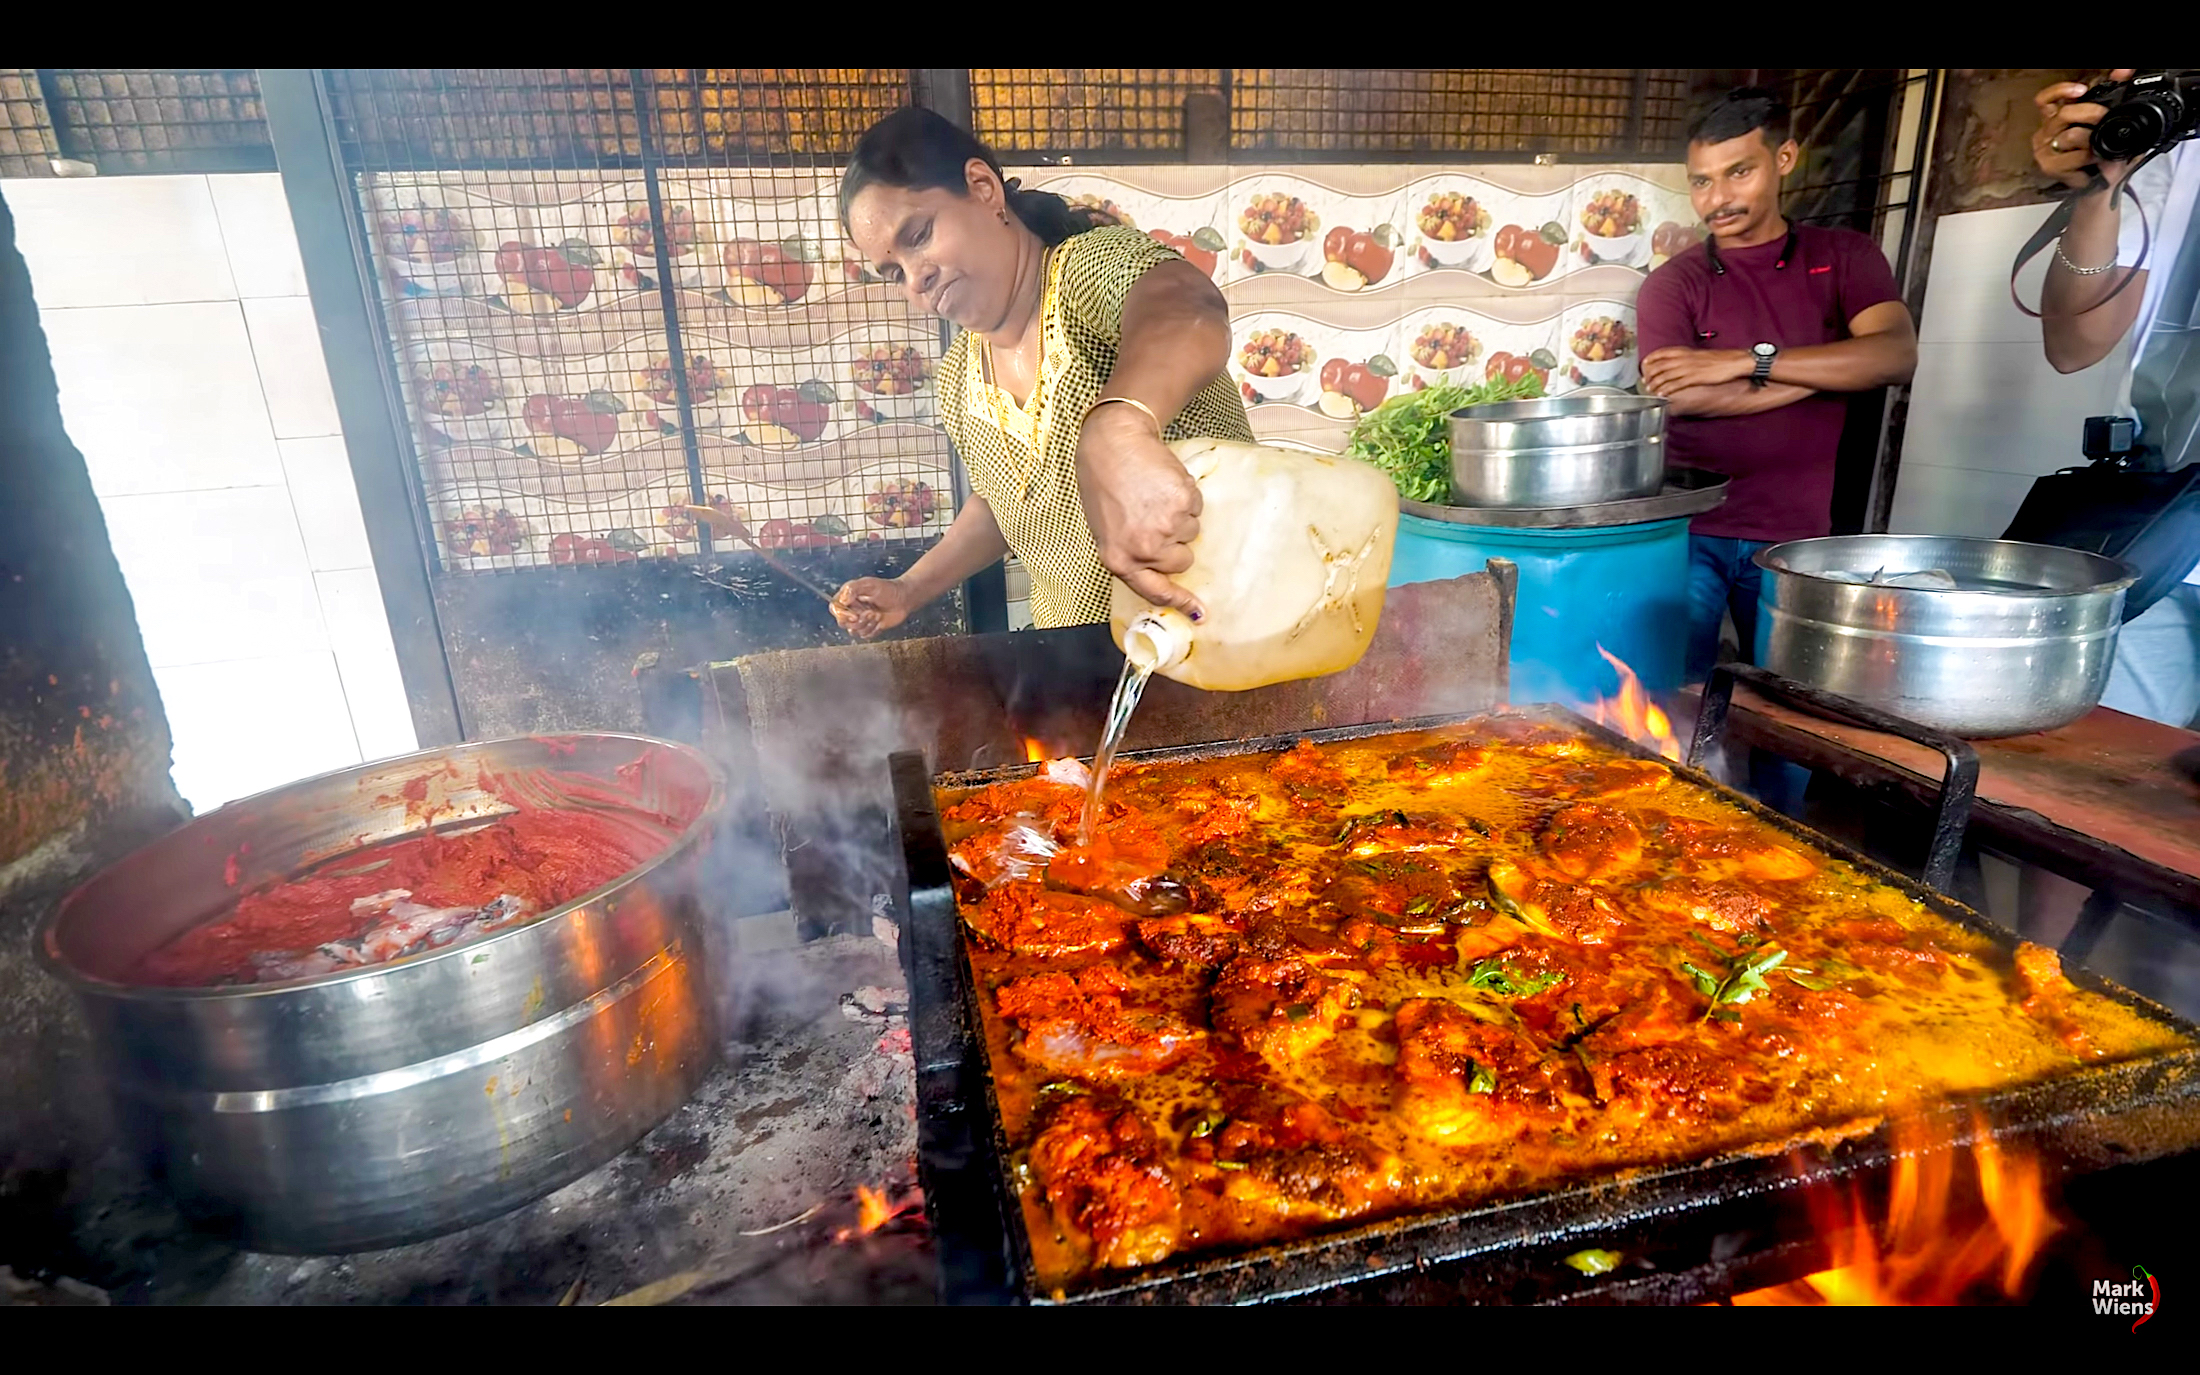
x=2060 y=220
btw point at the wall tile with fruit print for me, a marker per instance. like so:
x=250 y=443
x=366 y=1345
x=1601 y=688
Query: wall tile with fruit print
x=1300 y=227
x=1629 y=221
x=1453 y=346
x=1282 y=359
x=1597 y=346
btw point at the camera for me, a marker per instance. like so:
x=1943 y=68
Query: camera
x=2145 y=114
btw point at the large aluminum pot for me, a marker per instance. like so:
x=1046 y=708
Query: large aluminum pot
x=365 y=1109
x=1573 y=450
x=2023 y=643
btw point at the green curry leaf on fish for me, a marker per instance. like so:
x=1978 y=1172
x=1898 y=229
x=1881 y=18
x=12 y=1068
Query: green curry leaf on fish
x=1744 y=979
x=1509 y=983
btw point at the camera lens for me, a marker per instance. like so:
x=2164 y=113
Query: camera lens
x=2131 y=129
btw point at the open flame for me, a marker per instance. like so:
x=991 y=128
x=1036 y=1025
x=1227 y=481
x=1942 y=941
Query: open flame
x=1927 y=1259
x=1633 y=714
x=877 y=1207
x=1035 y=751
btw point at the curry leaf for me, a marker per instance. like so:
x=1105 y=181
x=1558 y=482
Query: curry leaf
x=1481 y=1079
x=1509 y=983
x=1745 y=979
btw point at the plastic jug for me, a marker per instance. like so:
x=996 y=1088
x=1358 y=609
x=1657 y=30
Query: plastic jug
x=1291 y=561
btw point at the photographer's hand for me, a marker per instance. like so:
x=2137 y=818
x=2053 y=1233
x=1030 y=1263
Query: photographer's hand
x=2078 y=329
x=2064 y=151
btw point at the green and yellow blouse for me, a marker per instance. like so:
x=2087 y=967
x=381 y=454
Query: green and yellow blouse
x=1023 y=459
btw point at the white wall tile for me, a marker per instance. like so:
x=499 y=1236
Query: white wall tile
x=261 y=244
x=1967 y=286
x=243 y=726
x=2000 y=406
x=1987 y=413
x=216 y=575
x=162 y=398
x=359 y=629
x=327 y=501
x=117 y=241
x=1935 y=500
x=293 y=373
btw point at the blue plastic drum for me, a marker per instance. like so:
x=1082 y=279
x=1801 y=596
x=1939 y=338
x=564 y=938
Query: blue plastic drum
x=1624 y=587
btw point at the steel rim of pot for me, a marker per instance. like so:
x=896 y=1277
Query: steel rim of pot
x=55 y=963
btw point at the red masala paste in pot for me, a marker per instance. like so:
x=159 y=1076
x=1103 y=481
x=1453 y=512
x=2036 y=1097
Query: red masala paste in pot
x=374 y=905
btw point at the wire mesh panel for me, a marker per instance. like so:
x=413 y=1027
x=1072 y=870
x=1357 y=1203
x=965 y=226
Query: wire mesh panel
x=27 y=147
x=1843 y=120
x=1428 y=111
x=612 y=295
x=160 y=120
x=1119 y=112
x=747 y=115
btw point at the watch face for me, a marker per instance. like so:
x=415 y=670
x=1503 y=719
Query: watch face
x=1764 y=350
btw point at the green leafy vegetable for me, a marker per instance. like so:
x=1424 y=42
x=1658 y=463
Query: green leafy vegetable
x=1509 y=983
x=1595 y=1262
x=1744 y=979
x=1409 y=436
x=1481 y=1079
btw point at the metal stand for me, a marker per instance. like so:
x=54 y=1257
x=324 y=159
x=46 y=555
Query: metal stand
x=1958 y=786
x=2100 y=909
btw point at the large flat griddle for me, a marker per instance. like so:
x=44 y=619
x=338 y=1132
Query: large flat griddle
x=2080 y=1122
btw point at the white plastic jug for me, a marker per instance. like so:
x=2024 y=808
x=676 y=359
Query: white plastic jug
x=1291 y=561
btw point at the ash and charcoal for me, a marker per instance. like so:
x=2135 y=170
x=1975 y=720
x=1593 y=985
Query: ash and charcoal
x=789 y=1177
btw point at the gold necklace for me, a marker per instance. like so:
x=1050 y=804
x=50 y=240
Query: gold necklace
x=1028 y=430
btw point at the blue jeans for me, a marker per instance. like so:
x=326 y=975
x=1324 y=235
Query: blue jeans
x=1721 y=578
x=2157 y=668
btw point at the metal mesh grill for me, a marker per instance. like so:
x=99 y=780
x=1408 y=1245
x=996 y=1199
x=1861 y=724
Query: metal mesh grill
x=712 y=114
x=571 y=387
x=26 y=135
x=165 y=120
x=1114 y=111
x=427 y=119
x=1402 y=111
x=1842 y=122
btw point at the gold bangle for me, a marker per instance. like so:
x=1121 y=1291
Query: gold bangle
x=1141 y=407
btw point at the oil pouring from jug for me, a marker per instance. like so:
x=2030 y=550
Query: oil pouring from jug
x=1291 y=562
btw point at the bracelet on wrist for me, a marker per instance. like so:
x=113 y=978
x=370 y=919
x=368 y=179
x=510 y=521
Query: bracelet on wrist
x=2074 y=269
x=1141 y=407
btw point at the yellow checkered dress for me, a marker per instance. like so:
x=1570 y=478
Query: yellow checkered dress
x=1028 y=473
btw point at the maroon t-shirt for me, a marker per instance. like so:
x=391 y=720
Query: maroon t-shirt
x=1781 y=461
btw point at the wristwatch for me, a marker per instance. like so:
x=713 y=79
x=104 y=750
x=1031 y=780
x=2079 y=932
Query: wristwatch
x=1763 y=371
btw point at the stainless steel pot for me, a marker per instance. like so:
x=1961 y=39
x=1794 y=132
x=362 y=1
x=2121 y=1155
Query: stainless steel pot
x=1575 y=450
x=366 y=1109
x=2022 y=644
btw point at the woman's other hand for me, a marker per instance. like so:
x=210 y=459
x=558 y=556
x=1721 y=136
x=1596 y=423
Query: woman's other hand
x=1142 y=505
x=868 y=606
x=2063 y=152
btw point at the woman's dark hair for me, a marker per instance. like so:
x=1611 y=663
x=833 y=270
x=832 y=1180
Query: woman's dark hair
x=1741 y=112
x=917 y=150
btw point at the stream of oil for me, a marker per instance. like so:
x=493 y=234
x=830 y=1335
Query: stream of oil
x=1128 y=689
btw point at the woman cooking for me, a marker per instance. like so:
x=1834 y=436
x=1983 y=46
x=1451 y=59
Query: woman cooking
x=1084 y=348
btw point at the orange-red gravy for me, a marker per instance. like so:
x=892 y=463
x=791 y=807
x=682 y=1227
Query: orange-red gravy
x=1437 y=968
x=546 y=858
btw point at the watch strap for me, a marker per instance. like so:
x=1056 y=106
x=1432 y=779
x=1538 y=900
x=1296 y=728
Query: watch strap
x=1761 y=368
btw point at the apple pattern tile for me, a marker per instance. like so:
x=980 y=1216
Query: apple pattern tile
x=538 y=373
